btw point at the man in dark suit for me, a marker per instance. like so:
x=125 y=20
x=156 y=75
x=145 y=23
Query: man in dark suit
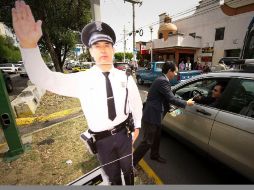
x=158 y=99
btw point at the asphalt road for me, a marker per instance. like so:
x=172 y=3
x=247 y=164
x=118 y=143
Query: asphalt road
x=19 y=84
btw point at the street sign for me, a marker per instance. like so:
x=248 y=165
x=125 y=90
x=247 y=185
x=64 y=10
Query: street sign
x=77 y=50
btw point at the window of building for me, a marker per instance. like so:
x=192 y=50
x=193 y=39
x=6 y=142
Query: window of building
x=232 y=52
x=160 y=35
x=219 y=34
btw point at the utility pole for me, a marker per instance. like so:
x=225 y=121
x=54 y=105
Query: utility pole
x=151 y=30
x=124 y=43
x=133 y=2
x=95 y=8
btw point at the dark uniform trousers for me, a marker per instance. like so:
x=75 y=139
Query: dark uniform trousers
x=112 y=148
x=151 y=140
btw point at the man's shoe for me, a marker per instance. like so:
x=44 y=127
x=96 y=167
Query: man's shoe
x=159 y=159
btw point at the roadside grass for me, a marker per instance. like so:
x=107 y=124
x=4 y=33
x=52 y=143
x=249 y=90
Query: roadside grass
x=46 y=162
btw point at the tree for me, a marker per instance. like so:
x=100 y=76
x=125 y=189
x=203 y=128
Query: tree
x=8 y=52
x=119 y=56
x=61 y=20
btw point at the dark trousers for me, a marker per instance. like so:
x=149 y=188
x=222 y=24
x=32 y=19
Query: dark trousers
x=112 y=148
x=151 y=140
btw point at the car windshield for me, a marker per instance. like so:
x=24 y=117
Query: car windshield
x=159 y=66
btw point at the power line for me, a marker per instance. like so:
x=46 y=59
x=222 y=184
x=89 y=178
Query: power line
x=197 y=13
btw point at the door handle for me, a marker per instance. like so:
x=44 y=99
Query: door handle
x=203 y=112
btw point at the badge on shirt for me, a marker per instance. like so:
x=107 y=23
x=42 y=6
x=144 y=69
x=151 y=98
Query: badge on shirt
x=123 y=84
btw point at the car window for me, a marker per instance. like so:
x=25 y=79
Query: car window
x=203 y=89
x=240 y=99
x=159 y=66
x=148 y=66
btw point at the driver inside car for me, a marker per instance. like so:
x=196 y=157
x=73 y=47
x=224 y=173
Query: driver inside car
x=212 y=100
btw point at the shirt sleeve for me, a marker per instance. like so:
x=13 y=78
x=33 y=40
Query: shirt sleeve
x=135 y=102
x=165 y=88
x=43 y=77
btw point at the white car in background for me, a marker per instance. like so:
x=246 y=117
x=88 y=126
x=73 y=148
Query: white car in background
x=9 y=68
x=22 y=71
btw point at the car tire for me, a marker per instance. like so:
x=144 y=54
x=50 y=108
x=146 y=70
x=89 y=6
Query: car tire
x=140 y=81
x=9 y=85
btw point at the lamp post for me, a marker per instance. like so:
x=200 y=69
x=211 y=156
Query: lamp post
x=151 y=30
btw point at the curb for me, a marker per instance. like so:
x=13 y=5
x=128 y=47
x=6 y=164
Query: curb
x=149 y=171
x=22 y=122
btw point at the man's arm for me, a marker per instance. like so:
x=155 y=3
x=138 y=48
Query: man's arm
x=27 y=30
x=165 y=89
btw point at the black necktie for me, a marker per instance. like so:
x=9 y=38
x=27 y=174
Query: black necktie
x=110 y=98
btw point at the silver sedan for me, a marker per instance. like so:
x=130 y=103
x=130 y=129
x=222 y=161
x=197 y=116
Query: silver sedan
x=224 y=131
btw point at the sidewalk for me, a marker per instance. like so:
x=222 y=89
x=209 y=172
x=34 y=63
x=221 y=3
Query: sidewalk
x=57 y=155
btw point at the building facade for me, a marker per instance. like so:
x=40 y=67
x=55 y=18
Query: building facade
x=215 y=30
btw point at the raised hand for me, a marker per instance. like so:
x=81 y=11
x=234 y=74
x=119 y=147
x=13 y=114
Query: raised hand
x=27 y=30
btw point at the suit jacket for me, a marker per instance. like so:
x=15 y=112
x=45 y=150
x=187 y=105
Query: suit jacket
x=158 y=99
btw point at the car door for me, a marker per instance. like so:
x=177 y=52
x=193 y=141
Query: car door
x=232 y=135
x=194 y=123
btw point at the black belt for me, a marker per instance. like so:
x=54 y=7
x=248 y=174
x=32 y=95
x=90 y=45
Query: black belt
x=102 y=134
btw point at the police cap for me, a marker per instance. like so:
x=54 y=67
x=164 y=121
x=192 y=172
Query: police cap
x=97 y=31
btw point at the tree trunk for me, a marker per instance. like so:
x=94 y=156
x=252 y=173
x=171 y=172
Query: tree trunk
x=51 y=50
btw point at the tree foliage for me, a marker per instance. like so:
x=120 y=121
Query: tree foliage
x=119 y=56
x=8 y=52
x=61 y=22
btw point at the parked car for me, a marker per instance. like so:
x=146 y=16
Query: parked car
x=225 y=132
x=22 y=71
x=7 y=80
x=8 y=68
x=154 y=69
x=121 y=66
x=82 y=67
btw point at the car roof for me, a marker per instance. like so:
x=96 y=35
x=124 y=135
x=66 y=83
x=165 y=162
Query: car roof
x=222 y=74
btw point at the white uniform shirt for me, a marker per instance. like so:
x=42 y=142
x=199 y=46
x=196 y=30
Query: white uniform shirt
x=90 y=88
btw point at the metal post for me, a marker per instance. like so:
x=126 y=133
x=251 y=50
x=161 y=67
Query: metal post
x=134 y=32
x=133 y=2
x=151 y=30
x=124 y=43
x=8 y=124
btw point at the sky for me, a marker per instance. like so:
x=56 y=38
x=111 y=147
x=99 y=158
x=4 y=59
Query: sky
x=118 y=14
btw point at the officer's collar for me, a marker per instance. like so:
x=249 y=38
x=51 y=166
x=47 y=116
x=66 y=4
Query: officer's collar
x=112 y=70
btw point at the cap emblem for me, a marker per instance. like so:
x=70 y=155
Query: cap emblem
x=98 y=26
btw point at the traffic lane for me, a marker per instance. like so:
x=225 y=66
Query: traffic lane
x=19 y=84
x=187 y=166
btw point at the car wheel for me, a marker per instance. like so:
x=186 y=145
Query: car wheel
x=140 y=81
x=9 y=86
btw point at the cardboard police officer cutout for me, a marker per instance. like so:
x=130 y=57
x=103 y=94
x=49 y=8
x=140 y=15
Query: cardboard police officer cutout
x=97 y=31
